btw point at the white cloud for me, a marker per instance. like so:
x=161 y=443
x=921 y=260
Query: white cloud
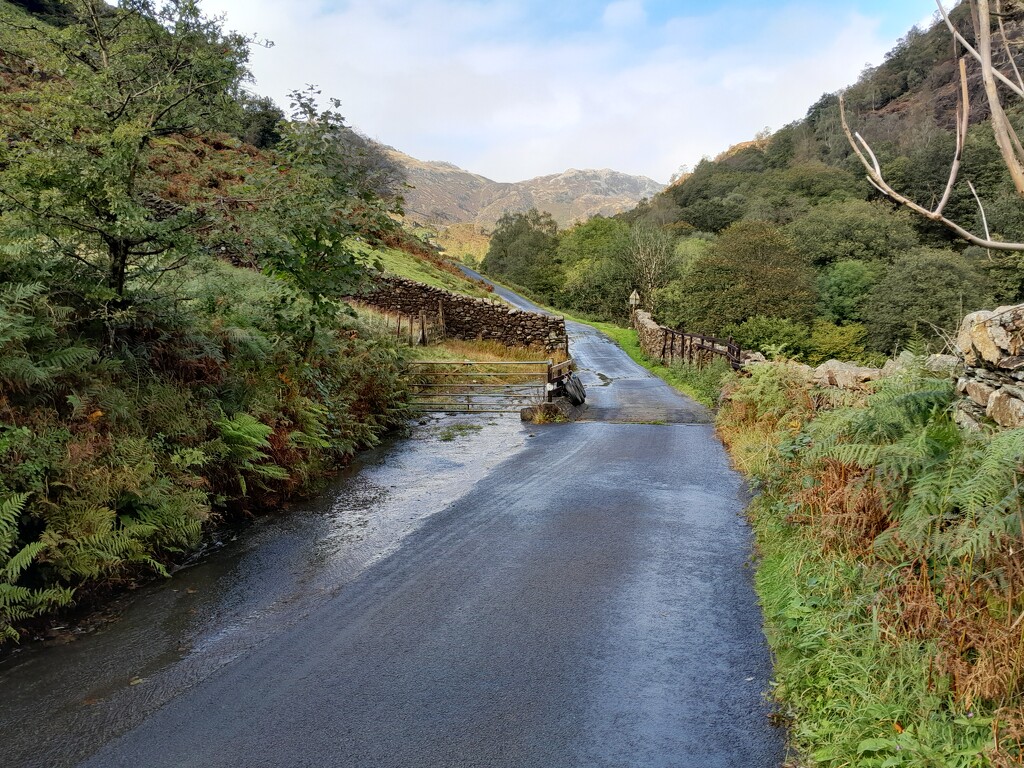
x=624 y=13
x=464 y=81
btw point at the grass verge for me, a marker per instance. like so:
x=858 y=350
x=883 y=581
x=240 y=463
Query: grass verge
x=893 y=644
x=423 y=270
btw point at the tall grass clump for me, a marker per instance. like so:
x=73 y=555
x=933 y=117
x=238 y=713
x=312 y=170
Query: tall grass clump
x=889 y=541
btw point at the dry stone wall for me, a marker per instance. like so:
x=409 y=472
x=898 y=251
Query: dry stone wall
x=835 y=374
x=465 y=317
x=992 y=384
x=650 y=335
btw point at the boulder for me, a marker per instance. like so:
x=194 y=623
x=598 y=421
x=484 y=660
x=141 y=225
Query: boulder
x=836 y=373
x=1005 y=410
x=944 y=364
x=969 y=416
x=985 y=339
x=891 y=368
x=965 y=335
x=979 y=392
x=991 y=336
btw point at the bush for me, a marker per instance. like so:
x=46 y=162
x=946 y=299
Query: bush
x=770 y=335
x=236 y=399
x=830 y=341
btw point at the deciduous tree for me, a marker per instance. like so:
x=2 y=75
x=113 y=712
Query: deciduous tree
x=89 y=106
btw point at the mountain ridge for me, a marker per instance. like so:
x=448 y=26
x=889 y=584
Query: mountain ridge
x=442 y=193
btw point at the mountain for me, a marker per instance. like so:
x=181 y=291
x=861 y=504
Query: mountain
x=442 y=193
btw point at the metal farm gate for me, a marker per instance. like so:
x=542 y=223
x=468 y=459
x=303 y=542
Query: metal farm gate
x=482 y=387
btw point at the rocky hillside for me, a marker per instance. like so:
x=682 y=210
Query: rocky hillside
x=442 y=193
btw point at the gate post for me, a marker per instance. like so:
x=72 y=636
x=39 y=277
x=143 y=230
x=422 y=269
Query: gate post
x=422 y=341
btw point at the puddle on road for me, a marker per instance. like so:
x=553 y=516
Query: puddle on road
x=59 y=703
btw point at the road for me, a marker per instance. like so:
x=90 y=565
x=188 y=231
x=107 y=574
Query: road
x=581 y=598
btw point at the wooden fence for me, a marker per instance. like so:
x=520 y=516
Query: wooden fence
x=698 y=349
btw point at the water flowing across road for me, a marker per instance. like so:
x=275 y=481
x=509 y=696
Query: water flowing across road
x=561 y=595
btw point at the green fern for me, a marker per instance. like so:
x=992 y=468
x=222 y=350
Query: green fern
x=246 y=438
x=18 y=603
x=32 y=354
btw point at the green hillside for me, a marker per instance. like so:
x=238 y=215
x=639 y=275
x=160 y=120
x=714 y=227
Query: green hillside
x=175 y=347
x=783 y=243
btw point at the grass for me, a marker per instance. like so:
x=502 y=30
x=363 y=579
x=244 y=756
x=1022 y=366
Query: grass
x=485 y=351
x=857 y=681
x=421 y=270
x=452 y=431
x=851 y=694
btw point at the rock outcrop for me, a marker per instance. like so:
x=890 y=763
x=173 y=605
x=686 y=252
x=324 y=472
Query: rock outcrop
x=843 y=375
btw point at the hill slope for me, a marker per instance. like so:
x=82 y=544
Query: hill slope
x=442 y=193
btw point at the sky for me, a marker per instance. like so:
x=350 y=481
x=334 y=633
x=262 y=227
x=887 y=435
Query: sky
x=513 y=89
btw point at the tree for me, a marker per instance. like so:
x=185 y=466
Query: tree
x=851 y=229
x=844 y=289
x=590 y=255
x=648 y=260
x=333 y=188
x=77 y=168
x=926 y=293
x=523 y=251
x=261 y=121
x=751 y=269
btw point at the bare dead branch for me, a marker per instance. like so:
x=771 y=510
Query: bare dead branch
x=984 y=218
x=1006 y=138
x=1006 y=43
x=1001 y=126
x=962 y=119
x=974 y=53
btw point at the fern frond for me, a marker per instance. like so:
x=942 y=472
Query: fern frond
x=10 y=512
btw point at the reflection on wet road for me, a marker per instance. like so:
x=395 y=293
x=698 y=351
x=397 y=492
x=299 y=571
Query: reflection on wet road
x=58 y=704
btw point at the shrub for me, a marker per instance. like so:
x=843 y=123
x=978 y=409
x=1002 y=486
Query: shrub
x=774 y=335
x=830 y=341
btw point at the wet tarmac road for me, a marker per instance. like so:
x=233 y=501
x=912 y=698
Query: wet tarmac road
x=567 y=595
